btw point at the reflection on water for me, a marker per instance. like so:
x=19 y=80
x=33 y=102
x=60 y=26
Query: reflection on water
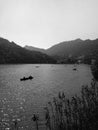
x=20 y=100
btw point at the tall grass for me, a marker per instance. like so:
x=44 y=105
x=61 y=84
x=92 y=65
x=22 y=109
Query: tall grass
x=77 y=113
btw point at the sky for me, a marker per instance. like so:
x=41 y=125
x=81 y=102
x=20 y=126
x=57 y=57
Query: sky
x=43 y=23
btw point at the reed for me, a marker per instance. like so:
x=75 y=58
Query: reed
x=77 y=113
x=15 y=123
x=35 y=118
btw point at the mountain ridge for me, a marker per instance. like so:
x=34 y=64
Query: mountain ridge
x=74 y=48
x=10 y=53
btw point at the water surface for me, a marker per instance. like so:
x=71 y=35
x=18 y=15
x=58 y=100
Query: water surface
x=20 y=99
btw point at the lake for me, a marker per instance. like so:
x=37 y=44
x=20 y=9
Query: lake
x=21 y=99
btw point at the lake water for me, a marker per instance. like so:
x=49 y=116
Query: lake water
x=21 y=99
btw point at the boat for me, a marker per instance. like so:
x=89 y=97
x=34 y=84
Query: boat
x=26 y=78
x=37 y=66
x=74 y=69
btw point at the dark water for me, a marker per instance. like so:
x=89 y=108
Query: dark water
x=21 y=99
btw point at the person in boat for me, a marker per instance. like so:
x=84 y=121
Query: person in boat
x=23 y=79
x=30 y=77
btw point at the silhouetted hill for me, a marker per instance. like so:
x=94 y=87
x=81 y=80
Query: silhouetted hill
x=13 y=53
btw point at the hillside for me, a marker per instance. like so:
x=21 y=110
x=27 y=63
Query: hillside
x=76 y=48
x=31 y=48
x=12 y=53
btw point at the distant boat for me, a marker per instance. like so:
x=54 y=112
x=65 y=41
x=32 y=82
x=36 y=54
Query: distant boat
x=74 y=69
x=26 y=78
x=75 y=65
x=37 y=66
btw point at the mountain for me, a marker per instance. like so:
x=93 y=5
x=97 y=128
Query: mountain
x=86 y=49
x=10 y=52
x=75 y=48
x=67 y=51
x=35 y=49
